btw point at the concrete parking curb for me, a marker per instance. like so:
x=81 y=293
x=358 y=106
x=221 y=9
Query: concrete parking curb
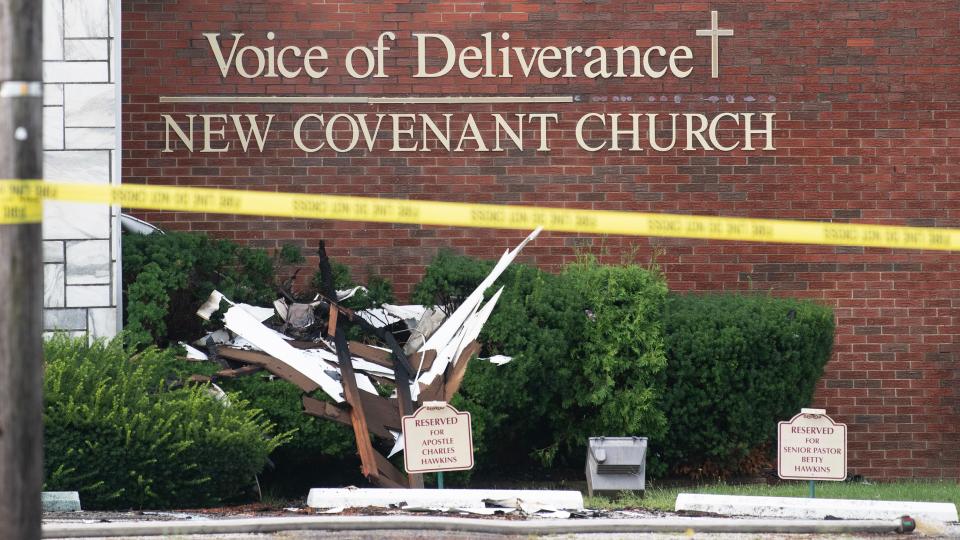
x=804 y=508
x=488 y=526
x=448 y=498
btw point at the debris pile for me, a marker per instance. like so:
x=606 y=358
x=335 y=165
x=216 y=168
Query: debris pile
x=371 y=384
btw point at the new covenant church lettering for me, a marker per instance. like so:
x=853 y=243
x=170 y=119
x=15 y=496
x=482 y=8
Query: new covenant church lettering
x=491 y=56
x=421 y=132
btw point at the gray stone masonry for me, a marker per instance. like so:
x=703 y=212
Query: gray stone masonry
x=80 y=126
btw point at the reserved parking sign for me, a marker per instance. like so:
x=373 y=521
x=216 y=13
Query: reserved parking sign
x=811 y=446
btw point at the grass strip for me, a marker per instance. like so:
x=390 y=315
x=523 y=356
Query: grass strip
x=664 y=498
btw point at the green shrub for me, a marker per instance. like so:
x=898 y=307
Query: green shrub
x=118 y=431
x=319 y=452
x=515 y=407
x=736 y=366
x=603 y=350
x=167 y=276
x=587 y=351
x=450 y=278
x=379 y=290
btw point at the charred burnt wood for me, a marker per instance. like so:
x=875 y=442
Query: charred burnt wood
x=271 y=364
x=285 y=294
x=404 y=367
x=238 y=372
x=213 y=356
x=328 y=297
x=402 y=372
x=304 y=345
x=381 y=411
x=323 y=409
x=348 y=378
x=358 y=417
x=456 y=373
x=391 y=477
x=426 y=360
x=388 y=475
x=369 y=353
x=288 y=283
x=445 y=386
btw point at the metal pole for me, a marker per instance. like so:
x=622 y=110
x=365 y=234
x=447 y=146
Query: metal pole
x=813 y=490
x=440 y=480
x=21 y=275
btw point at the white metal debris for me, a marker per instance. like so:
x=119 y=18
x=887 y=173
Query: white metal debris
x=446 y=332
x=430 y=330
x=281 y=308
x=218 y=337
x=359 y=364
x=451 y=351
x=242 y=323
x=193 y=353
x=210 y=306
x=431 y=319
x=397 y=444
x=348 y=293
x=137 y=226
x=378 y=317
x=259 y=313
x=409 y=313
x=498 y=359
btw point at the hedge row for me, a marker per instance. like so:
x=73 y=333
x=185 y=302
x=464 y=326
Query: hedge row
x=167 y=276
x=598 y=350
x=588 y=354
x=736 y=365
x=604 y=350
x=120 y=429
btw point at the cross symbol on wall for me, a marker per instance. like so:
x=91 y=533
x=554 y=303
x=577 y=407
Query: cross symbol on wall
x=715 y=34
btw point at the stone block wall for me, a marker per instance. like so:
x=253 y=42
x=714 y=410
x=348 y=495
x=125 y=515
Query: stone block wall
x=80 y=133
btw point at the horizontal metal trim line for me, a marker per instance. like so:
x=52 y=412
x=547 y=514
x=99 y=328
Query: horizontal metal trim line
x=399 y=100
x=475 y=99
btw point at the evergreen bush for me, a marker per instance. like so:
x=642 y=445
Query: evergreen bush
x=737 y=364
x=604 y=350
x=319 y=452
x=167 y=276
x=587 y=349
x=122 y=431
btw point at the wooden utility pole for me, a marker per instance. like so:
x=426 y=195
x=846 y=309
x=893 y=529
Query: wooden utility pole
x=21 y=275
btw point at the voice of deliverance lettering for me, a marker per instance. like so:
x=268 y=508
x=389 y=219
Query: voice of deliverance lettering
x=270 y=58
x=811 y=446
x=437 y=438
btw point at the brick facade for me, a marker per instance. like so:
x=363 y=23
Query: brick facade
x=867 y=130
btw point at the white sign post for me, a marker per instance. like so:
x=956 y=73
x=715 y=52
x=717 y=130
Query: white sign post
x=811 y=446
x=437 y=438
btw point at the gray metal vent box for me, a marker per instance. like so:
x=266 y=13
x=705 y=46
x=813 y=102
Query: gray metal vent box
x=616 y=464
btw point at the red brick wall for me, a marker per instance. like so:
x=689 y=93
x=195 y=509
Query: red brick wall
x=867 y=130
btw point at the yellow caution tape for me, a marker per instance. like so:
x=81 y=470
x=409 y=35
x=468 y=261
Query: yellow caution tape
x=20 y=202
